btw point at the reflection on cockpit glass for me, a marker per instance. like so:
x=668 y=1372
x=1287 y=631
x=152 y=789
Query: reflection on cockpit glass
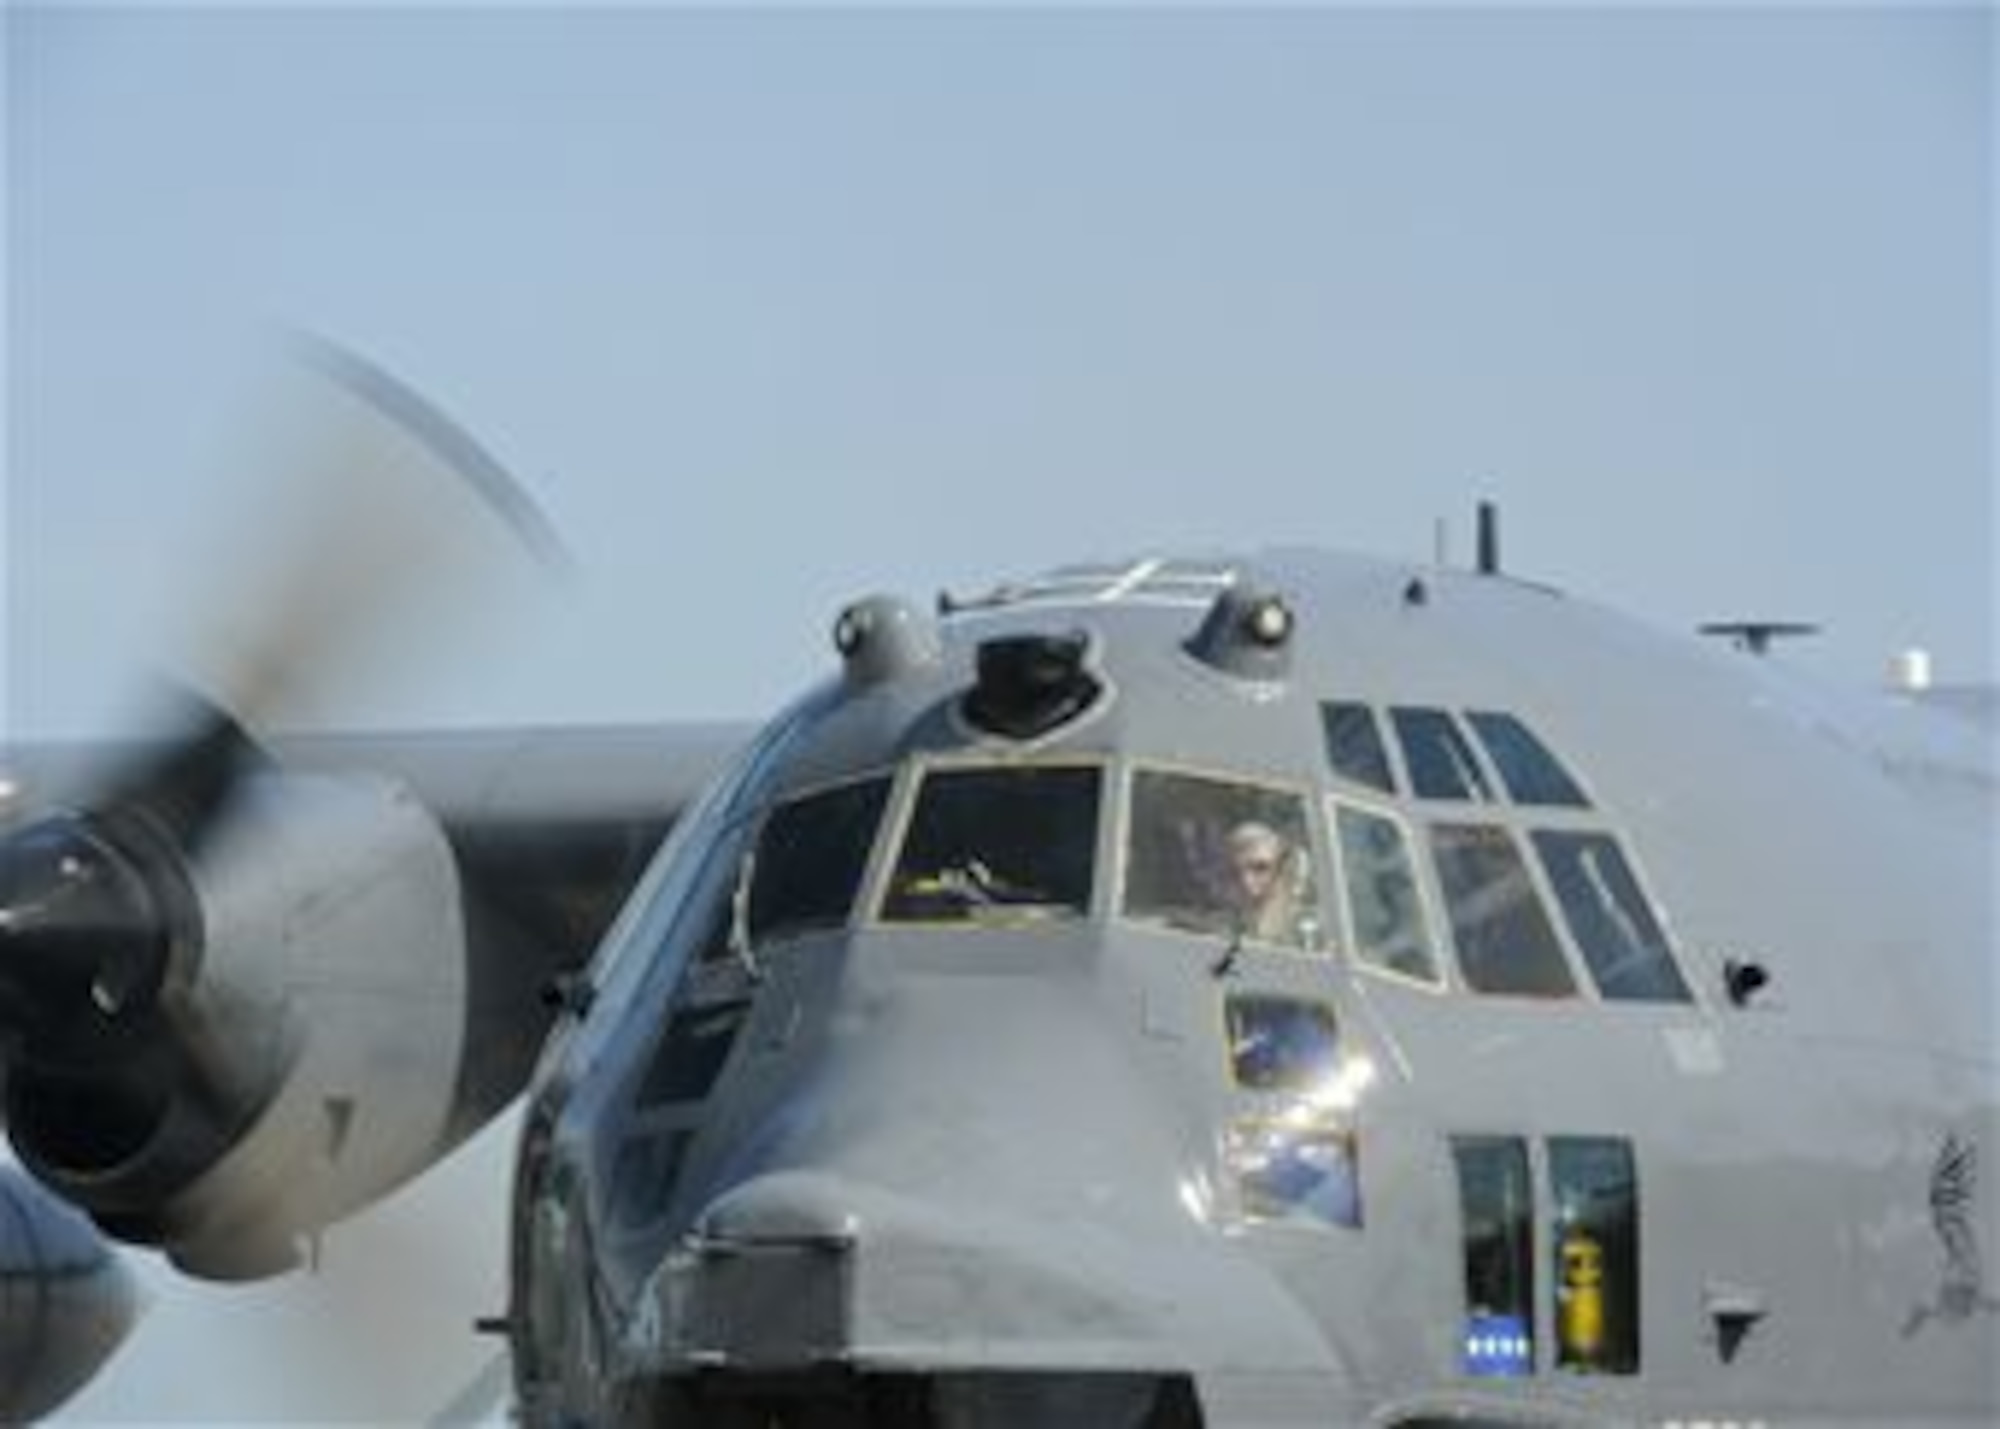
x=1354 y=746
x=1216 y=856
x=1292 y=1154
x=1531 y=773
x=1506 y=943
x=1281 y=1043
x=1440 y=761
x=1610 y=918
x=1387 y=912
x=998 y=845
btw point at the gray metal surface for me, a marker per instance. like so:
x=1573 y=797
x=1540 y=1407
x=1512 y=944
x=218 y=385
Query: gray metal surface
x=946 y=1149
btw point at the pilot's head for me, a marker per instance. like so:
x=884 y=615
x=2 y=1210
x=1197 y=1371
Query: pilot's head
x=1256 y=859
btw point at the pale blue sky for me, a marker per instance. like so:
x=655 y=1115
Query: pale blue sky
x=773 y=308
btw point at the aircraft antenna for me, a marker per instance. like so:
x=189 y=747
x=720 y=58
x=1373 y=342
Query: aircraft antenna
x=1754 y=637
x=1489 y=539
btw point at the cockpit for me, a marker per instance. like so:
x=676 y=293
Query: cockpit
x=1037 y=843
x=1451 y=850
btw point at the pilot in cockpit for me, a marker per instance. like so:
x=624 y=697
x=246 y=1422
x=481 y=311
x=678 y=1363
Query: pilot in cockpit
x=1221 y=857
x=1262 y=890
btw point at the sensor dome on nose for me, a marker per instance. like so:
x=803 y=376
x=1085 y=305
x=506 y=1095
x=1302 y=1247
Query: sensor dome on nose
x=1029 y=685
x=1246 y=633
x=881 y=638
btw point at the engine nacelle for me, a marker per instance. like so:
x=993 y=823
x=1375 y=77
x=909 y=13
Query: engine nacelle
x=66 y=1302
x=302 y=1051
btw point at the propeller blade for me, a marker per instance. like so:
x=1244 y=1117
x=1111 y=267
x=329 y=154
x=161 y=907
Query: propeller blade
x=388 y=520
x=181 y=787
x=390 y=514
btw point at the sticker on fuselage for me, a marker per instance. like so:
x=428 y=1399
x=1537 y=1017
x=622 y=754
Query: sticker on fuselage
x=1954 y=1193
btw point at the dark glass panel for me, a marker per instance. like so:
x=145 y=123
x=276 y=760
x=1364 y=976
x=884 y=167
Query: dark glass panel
x=1505 y=942
x=1531 y=773
x=1354 y=746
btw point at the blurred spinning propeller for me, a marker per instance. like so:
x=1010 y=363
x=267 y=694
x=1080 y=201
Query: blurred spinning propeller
x=396 y=522
x=133 y=1058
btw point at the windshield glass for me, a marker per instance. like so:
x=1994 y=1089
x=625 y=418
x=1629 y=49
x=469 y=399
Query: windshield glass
x=998 y=845
x=1384 y=907
x=810 y=859
x=1506 y=943
x=1211 y=855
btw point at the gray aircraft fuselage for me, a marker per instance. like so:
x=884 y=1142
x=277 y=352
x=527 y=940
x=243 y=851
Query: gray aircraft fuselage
x=1628 y=1055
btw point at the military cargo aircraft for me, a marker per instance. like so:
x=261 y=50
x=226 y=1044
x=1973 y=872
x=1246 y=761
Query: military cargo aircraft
x=1286 y=989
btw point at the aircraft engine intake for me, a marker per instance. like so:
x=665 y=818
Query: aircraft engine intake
x=231 y=1009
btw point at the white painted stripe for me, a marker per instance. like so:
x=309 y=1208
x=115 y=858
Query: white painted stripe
x=1132 y=579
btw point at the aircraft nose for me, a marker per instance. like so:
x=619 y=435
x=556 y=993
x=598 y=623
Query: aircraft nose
x=965 y=1177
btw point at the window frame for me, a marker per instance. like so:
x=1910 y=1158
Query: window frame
x=1444 y=953
x=1492 y=792
x=910 y=778
x=871 y=873
x=1582 y=987
x=1287 y=1111
x=1540 y=1304
x=1314 y=1001
x=1469 y=718
x=1549 y=1247
x=1328 y=948
x=1622 y=844
x=1385 y=743
x=1546 y=1365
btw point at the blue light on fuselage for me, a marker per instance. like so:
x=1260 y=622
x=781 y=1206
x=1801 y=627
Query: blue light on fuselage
x=1498 y=1345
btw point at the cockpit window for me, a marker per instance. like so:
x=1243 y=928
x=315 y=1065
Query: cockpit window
x=1281 y=1044
x=1531 y=773
x=1505 y=941
x=1610 y=918
x=1354 y=746
x=1384 y=907
x=1292 y=1154
x=810 y=859
x=1217 y=856
x=1439 y=758
x=998 y=845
